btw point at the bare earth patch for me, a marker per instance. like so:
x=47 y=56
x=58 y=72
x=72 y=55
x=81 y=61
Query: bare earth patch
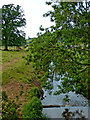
x=13 y=89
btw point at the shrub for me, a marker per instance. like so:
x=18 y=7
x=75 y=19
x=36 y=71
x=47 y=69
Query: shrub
x=34 y=92
x=33 y=109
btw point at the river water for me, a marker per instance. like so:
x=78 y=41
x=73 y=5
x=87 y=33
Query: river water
x=77 y=102
x=56 y=105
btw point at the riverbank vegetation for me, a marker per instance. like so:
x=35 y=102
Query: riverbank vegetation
x=17 y=82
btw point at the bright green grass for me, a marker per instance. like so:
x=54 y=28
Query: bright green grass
x=8 y=56
x=17 y=70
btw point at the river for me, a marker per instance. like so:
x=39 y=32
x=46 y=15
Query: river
x=55 y=106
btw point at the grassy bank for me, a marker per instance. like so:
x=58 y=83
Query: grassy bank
x=14 y=67
x=17 y=77
x=16 y=74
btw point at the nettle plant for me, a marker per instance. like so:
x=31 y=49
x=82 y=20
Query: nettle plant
x=66 y=44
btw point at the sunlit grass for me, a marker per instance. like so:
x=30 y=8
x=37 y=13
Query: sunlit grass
x=15 y=67
x=7 y=56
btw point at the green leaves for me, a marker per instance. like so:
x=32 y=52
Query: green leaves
x=41 y=28
x=65 y=47
x=66 y=99
x=33 y=109
x=48 y=3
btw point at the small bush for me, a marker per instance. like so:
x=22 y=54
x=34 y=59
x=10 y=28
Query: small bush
x=33 y=109
x=34 y=92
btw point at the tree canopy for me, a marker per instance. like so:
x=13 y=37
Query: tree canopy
x=63 y=50
x=12 y=20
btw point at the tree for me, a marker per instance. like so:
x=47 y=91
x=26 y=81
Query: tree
x=12 y=20
x=63 y=49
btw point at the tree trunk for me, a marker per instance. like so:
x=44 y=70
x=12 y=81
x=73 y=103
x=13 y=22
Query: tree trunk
x=6 y=47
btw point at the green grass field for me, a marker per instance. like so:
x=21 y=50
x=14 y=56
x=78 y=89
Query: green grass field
x=14 y=67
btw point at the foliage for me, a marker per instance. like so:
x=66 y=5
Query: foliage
x=66 y=99
x=34 y=92
x=33 y=109
x=9 y=108
x=63 y=49
x=12 y=19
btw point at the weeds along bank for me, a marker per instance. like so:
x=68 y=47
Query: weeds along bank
x=18 y=86
x=31 y=109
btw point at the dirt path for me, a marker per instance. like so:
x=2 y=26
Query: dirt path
x=6 y=64
x=11 y=62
